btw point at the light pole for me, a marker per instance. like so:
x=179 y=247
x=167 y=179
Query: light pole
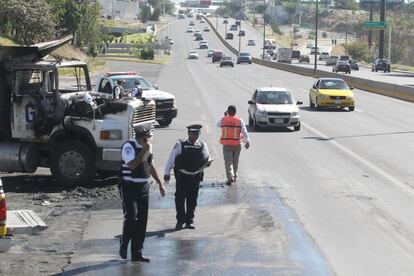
x=264 y=29
x=240 y=38
x=216 y=21
x=316 y=38
x=225 y=31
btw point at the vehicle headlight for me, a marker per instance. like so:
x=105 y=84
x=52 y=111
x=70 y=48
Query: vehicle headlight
x=111 y=134
x=261 y=113
x=294 y=114
x=350 y=97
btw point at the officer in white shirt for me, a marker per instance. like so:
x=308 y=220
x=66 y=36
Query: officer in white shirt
x=137 y=90
x=187 y=157
x=119 y=89
x=137 y=167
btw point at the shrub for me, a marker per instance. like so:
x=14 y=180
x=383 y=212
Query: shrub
x=358 y=50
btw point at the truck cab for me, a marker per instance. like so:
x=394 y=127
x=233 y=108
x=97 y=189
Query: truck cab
x=51 y=117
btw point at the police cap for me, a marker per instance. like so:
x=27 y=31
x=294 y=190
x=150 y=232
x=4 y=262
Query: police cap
x=194 y=128
x=143 y=131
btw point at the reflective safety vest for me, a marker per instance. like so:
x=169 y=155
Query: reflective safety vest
x=230 y=131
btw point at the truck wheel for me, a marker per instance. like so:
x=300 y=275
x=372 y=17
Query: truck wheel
x=73 y=163
x=311 y=104
x=166 y=122
x=297 y=128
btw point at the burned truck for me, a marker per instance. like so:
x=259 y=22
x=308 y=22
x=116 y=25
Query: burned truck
x=50 y=117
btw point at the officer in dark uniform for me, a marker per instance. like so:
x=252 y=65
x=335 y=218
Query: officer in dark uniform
x=187 y=157
x=137 y=167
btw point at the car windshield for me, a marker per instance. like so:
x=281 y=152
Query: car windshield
x=274 y=97
x=226 y=58
x=244 y=54
x=130 y=83
x=333 y=84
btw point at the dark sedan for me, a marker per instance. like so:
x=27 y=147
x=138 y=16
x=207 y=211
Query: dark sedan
x=244 y=57
x=342 y=66
x=381 y=65
x=354 y=65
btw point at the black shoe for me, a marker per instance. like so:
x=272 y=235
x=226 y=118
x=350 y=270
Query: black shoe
x=178 y=226
x=123 y=253
x=190 y=226
x=228 y=183
x=140 y=258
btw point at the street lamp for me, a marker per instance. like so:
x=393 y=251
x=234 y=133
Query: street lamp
x=240 y=37
x=264 y=29
x=316 y=38
x=225 y=31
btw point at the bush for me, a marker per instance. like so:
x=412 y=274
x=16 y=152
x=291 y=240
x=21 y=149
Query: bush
x=147 y=54
x=324 y=35
x=358 y=50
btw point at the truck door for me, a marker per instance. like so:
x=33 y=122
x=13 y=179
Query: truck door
x=32 y=103
x=105 y=86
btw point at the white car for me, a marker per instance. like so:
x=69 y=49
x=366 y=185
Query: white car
x=190 y=30
x=324 y=56
x=251 y=42
x=196 y=33
x=273 y=107
x=203 y=45
x=266 y=56
x=193 y=54
x=170 y=41
x=206 y=29
x=210 y=53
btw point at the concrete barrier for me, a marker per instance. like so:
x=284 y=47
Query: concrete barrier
x=387 y=89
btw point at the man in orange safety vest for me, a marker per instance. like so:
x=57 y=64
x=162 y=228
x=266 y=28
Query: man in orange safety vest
x=233 y=129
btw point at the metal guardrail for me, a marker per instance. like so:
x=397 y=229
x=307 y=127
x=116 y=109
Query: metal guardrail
x=383 y=88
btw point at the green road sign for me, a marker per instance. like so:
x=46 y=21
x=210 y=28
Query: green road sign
x=375 y=25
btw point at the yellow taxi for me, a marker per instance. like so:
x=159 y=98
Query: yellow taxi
x=331 y=92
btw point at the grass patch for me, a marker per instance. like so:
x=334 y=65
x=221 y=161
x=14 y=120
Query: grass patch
x=6 y=42
x=283 y=40
x=139 y=38
x=157 y=59
x=113 y=23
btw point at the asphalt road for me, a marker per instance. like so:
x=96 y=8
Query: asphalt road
x=395 y=77
x=335 y=198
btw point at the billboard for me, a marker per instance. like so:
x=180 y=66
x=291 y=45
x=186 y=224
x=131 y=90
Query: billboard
x=388 y=2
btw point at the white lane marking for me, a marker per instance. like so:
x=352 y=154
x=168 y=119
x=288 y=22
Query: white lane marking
x=370 y=165
x=358 y=110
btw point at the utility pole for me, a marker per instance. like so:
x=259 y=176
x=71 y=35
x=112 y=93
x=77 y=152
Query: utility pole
x=370 y=31
x=382 y=32
x=216 y=21
x=389 y=42
x=264 y=29
x=346 y=27
x=240 y=38
x=316 y=37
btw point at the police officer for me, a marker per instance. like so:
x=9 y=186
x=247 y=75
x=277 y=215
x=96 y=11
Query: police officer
x=137 y=167
x=137 y=90
x=187 y=157
x=233 y=129
x=119 y=89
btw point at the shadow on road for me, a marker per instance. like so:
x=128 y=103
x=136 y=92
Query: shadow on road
x=269 y=129
x=95 y=267
x=324 y=109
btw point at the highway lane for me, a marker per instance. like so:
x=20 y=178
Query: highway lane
x=346 y=174
x=395 y=77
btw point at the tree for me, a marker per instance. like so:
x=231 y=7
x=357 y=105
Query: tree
x=346 y=5
x=29 y=20
x=275 y=28
x=357 y=50
x=144 y=14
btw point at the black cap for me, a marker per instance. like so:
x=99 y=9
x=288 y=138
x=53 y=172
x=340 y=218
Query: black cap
x=143 y=131
x=194 y=128
x=231 y=109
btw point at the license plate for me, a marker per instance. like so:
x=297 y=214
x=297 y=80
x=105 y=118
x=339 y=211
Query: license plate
x=338 y=101
x=279 y=121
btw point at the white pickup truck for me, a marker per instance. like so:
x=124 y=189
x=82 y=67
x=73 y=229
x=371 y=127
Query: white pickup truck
x=166 y=109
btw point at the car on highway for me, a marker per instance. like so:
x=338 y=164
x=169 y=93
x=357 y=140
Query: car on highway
x=196 y=33
x=314 y=51
x=242 y=33
x=233 y=27
x=269 y=44
x=381 y=65
x=203 y=45
x=190 y=30
x=199 y=37
x=217 y=55
x=244 y=58
x=170 y=41
x=191 y=23
x=198 y=16
x=273 y=107
x=226 y=61
x=344 y=57
x=266 y=56
x=331 y=92
x=332 y=60
x=304 y=59
x=354 y=64
x=324 y=56
x=225 y=21
x=295 y=54
x=251 y=42
x=206 y=29
x=271 y=52
x=342 y=66
x=202 y=21
x=229 y=36
x=193 y=54
x=309 y=46
x=210 y=53
x=181 y=16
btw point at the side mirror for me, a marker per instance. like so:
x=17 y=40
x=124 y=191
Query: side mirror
x=299 y=102
x=155 y=86
x=351 y=88
x=251 y=102
x=314 y=86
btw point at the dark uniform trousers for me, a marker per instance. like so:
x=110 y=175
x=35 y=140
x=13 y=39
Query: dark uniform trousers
x=186 y=195
x=135 y=199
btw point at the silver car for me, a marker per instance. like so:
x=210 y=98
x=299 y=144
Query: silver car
x=273 y=107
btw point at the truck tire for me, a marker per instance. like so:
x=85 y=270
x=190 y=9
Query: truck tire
x=166 y=122
x=73 y=163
